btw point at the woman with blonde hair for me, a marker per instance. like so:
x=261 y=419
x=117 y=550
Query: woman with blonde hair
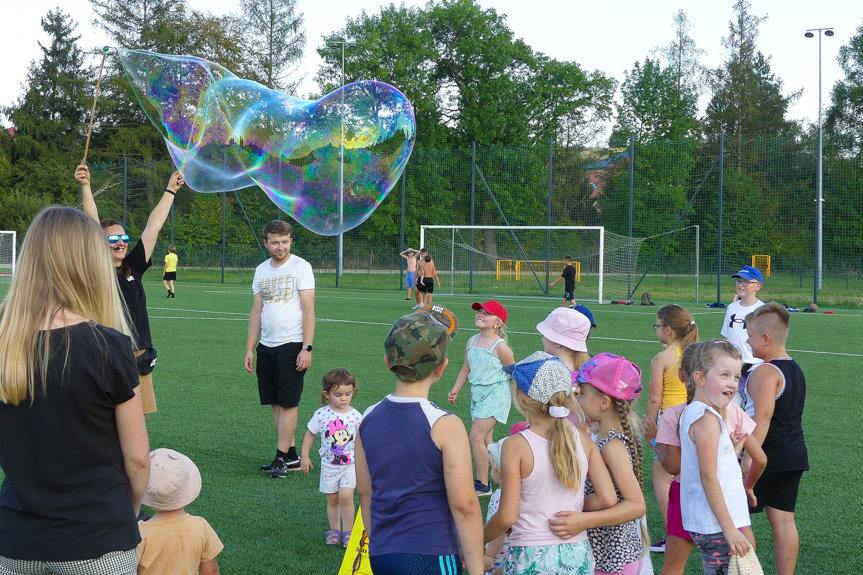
x=73 y=443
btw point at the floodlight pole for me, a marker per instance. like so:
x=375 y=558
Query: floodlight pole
x=340 y=242
x=819 y=199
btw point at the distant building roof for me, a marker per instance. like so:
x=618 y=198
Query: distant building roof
x=605 y=163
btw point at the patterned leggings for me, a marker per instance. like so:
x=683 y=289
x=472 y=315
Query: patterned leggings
x=715 y=552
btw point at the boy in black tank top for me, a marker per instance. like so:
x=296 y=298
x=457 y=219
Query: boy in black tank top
x=777 y=391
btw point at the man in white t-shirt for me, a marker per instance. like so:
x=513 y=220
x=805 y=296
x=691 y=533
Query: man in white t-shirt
x=748 y=282
x=283 y=315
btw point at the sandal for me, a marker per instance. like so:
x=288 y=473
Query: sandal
x=346 y=538
x=333 y=537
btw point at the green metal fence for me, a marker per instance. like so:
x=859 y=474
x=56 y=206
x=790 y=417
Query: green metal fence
x=760 y=194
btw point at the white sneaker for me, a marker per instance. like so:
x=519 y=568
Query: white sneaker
x=417 y=306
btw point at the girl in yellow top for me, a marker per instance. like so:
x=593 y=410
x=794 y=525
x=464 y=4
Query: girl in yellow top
x=675 y=329
x=170 y=273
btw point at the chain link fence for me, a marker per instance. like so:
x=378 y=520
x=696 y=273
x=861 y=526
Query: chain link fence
x=695 y=208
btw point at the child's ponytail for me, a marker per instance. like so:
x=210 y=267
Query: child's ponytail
x=564 y=454
x=680 y=321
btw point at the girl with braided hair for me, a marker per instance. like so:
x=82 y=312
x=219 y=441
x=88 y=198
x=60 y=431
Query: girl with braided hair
x=608 y=386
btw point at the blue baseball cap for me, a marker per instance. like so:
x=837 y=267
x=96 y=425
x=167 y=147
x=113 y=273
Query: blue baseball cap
x=586 y=312
x=750 y=273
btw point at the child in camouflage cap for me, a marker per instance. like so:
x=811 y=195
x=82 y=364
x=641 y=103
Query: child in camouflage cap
x=413 y=460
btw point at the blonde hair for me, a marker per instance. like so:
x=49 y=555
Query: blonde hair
x=771 y=319
x=687 y=363
x=709 y=353
x=63 y=265
x=561 y=440
x=680 y=321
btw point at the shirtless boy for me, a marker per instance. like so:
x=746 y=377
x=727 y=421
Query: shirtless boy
x=428 y=277
x=411 y=256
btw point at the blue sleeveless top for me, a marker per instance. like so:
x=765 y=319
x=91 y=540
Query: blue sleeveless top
x=409 y=510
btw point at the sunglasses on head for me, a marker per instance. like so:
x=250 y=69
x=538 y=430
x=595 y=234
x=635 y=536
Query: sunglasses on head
x=114 y=238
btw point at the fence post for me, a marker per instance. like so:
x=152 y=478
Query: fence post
x=629 y=228
x=125 y=181
x=224 y=221
x=719 y=244
x=401 y=259
x=548 y=216
x=472 y=210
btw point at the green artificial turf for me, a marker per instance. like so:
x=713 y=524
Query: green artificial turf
x=209 y=410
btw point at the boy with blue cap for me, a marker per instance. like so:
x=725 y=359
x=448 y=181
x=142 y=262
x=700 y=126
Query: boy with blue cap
x=748 y=282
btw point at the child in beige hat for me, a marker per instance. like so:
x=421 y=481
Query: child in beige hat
x=174 y=542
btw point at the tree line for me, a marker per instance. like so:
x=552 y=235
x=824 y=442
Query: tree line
x=470 y=80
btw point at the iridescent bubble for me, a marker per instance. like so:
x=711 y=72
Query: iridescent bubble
x=225 y=133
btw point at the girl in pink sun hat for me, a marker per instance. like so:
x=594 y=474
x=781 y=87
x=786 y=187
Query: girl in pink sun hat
x=490 y=396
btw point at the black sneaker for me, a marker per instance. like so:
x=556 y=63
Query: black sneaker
x=269 y=466
x=481 y=489
x=293 y=465
x=658 y=546
x=279 y=470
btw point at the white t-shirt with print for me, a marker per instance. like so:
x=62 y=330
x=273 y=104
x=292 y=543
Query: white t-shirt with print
x=338 y=433
x=282 y=315
x=734 y=328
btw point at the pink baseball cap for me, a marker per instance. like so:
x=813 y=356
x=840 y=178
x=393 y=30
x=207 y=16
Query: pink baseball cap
x=612 y=374
x=493 y=307
x=566 y=327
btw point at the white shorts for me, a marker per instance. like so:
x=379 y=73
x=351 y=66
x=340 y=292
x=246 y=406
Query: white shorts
x=335 y=477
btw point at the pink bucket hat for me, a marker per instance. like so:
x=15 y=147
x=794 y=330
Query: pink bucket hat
x=566 y=327
x=175 y=480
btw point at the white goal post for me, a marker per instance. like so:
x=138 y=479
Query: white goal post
x=518 y=260
x=8 y=253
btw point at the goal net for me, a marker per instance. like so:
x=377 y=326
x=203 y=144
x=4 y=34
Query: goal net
x=7 y=256
x=525 y=260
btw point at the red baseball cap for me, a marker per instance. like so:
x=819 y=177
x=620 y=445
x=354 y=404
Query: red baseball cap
x=493 y=307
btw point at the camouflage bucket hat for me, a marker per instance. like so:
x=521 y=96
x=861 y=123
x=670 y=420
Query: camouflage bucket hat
x=418 y=341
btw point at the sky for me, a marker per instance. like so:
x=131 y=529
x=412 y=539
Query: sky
x=609 y=37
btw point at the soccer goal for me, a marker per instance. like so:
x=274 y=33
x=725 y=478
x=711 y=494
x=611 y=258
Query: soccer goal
x=8 y=252
x=525 y=260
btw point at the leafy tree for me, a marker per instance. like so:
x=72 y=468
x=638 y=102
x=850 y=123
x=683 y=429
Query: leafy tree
x=49 y=116
x=158 y=25
x=655 y=105
x=277 y=39
x=845 y=115
x=467 y=75
x=684 y=57
x=747 y=97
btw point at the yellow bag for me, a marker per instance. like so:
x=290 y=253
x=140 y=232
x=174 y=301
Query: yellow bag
x=356 y=560
x=746 y=565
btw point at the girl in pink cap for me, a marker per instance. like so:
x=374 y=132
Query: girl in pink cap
x=490 y=397
x=608 y=387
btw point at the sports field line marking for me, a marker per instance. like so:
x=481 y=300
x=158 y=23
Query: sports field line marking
x=331 y=320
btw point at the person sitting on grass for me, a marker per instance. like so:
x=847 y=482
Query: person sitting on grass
x=413 y=461
x=172 y=541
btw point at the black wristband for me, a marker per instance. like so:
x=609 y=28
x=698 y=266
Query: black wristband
x=170 y=192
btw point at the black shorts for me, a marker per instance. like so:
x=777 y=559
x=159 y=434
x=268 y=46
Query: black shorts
x=569 y=295
x=279 y=382
x=777 y=489
x=428 y=287
x=420 y=286
x=169 y=276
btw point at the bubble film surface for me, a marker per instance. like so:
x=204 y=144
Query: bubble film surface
x=226 y=133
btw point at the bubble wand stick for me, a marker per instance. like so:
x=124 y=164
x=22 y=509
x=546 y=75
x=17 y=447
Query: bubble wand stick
x=93 y=109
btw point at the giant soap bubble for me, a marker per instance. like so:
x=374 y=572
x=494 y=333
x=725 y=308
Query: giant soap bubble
x=225 y=133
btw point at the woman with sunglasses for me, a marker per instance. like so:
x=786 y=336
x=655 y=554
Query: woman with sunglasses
x=131 y=265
